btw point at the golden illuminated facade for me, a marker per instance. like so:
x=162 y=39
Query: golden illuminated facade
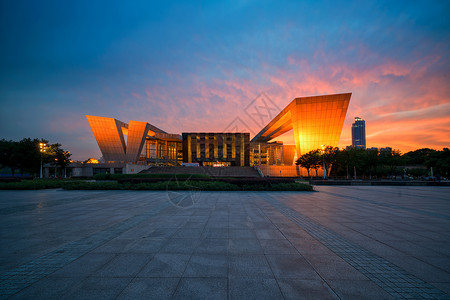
x=109 y=134
x=160 y=147
x=227 y=149
x=316 y=121
x=266 y=153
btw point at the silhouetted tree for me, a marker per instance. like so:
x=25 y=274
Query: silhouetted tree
x=310 y=160
x=26 y=156
x=391 y=159
x=417 y=157
x=329 y=158
x=440 y=161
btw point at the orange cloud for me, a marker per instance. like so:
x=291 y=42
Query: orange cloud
x=406 y=105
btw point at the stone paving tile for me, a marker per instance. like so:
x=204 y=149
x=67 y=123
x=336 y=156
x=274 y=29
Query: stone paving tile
x=334 y=267
x=277 y=247
x=165 y=265
x=161 y=233
x=117 y=245
x=305 y=289
x=202 y=288
x=85 y=265
x=188 y=233
x=215 y=233
x=212 y=246
x=291 y=266
x=242 y=233
x=216 y=224
x=269 y=234
x=98 y=288
x=146 y=245
x=48 y=288
x=150 y=288
x=244 y=246
x=249 y=266
x=251 y=288
x=124 y=265
x=310 y=246
x=359 y=289
x=241 y=244
x=386 y=275
x=177 y=245
x=207 y=265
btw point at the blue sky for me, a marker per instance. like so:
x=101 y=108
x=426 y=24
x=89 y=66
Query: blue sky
x=195 y=66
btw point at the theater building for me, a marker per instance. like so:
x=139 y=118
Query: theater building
x=314 y=121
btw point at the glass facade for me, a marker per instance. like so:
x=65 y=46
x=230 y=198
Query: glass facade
x=165 y=152
x=143 y=142
x=109 y=134
x=316 y=121
x=211 y=148
x=266 y=153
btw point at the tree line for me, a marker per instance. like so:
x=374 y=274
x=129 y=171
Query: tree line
x=26 y=155
x=371 y=163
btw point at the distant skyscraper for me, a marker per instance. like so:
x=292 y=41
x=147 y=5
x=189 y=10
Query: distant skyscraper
x=359 y=133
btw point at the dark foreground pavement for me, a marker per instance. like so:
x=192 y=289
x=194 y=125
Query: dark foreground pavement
x=338 y=243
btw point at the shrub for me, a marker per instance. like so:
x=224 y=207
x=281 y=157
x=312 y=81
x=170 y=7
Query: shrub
x=36 y=184
x=105 y=176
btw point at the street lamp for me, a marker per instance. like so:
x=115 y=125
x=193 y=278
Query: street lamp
x=56 y=161
x=323 y=160
x=42 y=149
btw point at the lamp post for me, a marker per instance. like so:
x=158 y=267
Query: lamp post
x=323 y=160
x=42 y=149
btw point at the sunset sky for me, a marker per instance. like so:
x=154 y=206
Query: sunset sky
x=209 y=66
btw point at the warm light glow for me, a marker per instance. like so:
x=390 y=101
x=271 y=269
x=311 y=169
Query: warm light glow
x=315 y=121
x=92 y=161
x=42 y=147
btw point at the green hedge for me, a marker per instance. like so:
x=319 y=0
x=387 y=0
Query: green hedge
x=236 y=181
x=105 y=176
x=191 y=185
x=38 y=184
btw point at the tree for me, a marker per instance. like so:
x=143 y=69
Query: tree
x=392 y=159
x=440 y=161
x=29 y=155
x=371 y=161
x=26 y=156
x=62 y=158
x=329 y=156
x=417 y=157
x=355 y=160
x=310 y=160
x=341 y=164
x=9 y=154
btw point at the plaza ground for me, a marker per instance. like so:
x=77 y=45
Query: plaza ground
x=338 y=243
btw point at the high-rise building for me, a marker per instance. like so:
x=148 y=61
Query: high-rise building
x=359 y=133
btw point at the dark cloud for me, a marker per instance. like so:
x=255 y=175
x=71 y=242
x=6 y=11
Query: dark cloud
x=181 y=65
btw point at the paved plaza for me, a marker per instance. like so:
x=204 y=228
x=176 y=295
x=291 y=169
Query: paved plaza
x=337 y=243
